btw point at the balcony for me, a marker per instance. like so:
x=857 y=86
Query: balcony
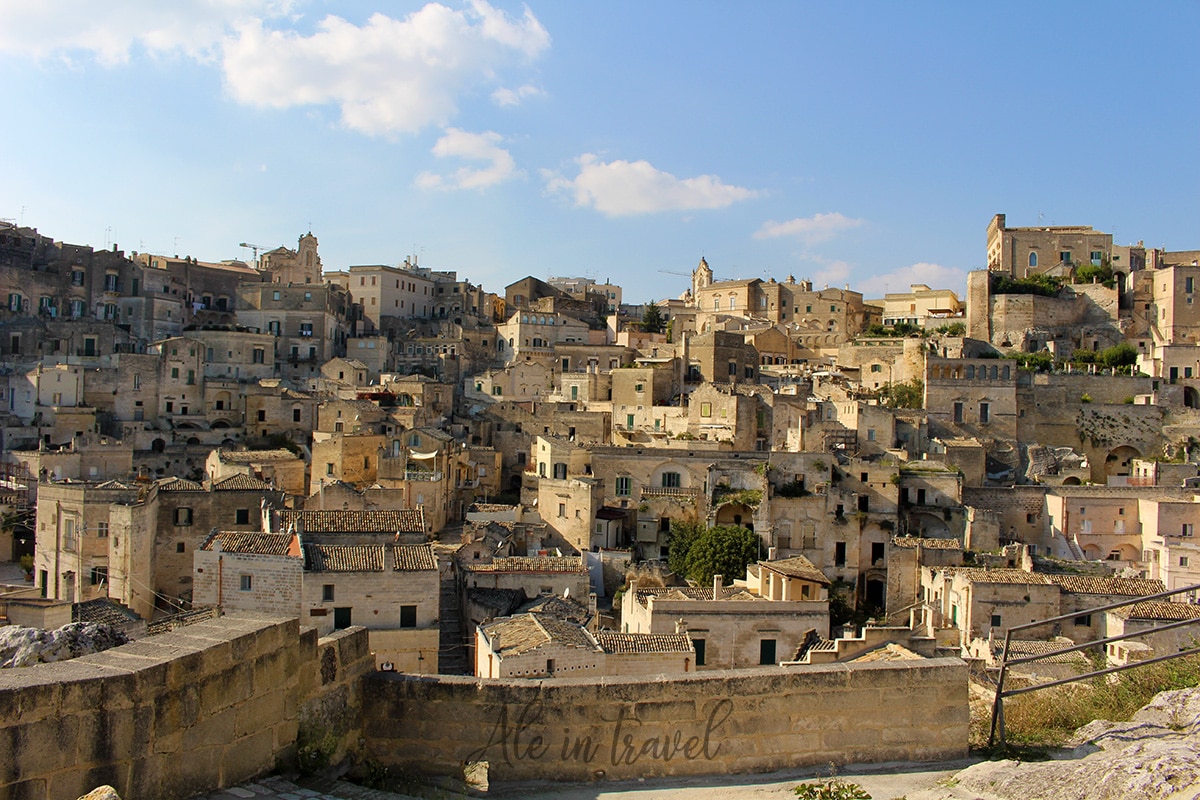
x=429 y=476
x=670 y=491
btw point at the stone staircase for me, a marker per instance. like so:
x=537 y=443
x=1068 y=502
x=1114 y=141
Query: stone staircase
x=452 y=650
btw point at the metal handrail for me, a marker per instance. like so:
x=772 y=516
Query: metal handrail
x=1005 y=662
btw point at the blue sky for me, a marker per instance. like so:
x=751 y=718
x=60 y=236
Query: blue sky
x=862 y=143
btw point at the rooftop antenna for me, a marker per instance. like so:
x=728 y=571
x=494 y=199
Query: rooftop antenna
x=176 y=250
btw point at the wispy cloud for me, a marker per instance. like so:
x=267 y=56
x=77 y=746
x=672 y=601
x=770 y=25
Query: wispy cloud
x=111 y=30
x=387 y=76
x=898 y=280
x=470 y=147
x=817 y=228
x=505 y=97
x=623 y=188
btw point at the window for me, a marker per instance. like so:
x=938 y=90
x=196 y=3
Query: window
x=99 y=576
x=958 y=412
x=1187 y=530
x=260 y=355
x=1183 y=561
x=183 y=516
x=995 y=620
x=1189 y=284
x=638 y=387
x=174 y=372
x=101 y=530
x=241 y=516
x=562 y=510
x=1084 y=620
x=876 y=368
x=408 y=616
x=1033 y=259
x=624 y=486
x=985 y=413
x=262 y=415
x=670 y=480
x=328 y=467
x=870 y=434
x=839 y=554
x=247 y=582
x=766 y=651
x=306 y=329
x=699 y=644
x=877 y=552
x=327 y=593
x=1065 y=257
x=1097 y=257
x=180 y=547
x=733 y=370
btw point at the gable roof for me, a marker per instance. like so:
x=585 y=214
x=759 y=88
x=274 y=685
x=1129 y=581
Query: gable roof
x=619 y=643
x=241 y=483
x=543 y=564
x=404 y=520
x=1092 y=584
x=266 y=544
x=797 y=567
x=413 y=557
x=343 y=557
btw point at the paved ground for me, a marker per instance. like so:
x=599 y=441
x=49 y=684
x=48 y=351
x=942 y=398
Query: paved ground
x=882 y=782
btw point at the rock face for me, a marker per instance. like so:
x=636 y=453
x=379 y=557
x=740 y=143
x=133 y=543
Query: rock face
x=22 y=647
x=102 y=793
x=1154 y=756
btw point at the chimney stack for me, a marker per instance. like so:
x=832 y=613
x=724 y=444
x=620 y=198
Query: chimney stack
x=718 y=580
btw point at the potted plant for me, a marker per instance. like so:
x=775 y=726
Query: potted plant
x=27 y=565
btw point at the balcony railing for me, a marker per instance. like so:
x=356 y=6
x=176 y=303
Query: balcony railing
x=423 y=475
x=670 y=491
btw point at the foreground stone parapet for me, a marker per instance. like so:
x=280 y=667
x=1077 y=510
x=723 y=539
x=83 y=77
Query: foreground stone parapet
x=711 y=723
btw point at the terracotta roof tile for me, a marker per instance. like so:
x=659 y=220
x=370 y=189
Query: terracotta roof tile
x=391 y=521
x=1013 y=576
x=1092 y=584
x=797 y=567
x=255 y=456
x=929 y=544
x=267 y=544
x=560 y=564
x=179 y=485
x=343 y=557
x=241 y=483
x=102 y=609
x=413 y=557
x=620 y=643
x=1158 y=610
x=512 y=636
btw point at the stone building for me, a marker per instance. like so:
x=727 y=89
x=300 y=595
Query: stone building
x=1019 y=252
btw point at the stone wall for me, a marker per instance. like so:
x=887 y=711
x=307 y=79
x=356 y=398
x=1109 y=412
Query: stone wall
x=711 y=723
x=206 y=706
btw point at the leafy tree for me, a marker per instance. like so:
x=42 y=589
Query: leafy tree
x=1101 y=273
x=683 y=533
x=910 y=394
x=1119 y=355
x=725 y=550
x=1044 y=285
x=1036 y=362
x=652 y=319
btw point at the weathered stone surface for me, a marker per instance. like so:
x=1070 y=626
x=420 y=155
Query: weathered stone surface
x=21 y=647
x=102 y=793
x=1154 y=756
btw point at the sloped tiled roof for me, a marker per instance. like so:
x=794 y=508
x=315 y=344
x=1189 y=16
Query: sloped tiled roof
x=102 y=609
x=343 y=557
x=523 y=633
x=888 y=652
x=240 y=483
x=266 y=544
x=560 y=564
x=179 y=485
x=1158 y=610
x=555 y=606
x=1023 y=648
x=1013 y=576
x=1092 y=584
x=503 y=601
x=797 y=567
x=403 y=520
x=619 y=643
x=113 y=484
x=413 y=557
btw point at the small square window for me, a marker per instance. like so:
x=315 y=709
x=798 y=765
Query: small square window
x=242 y=516
x=408 y=616
x=247 y=582
x=180 y=547
x=327 y=593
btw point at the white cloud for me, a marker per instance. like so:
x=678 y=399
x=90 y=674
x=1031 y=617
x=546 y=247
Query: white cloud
x=817 y=228
x=620 y=188
x=110 y=30
x=388 y=75
x=471 y=147
x=935 y=276
x=505 y=97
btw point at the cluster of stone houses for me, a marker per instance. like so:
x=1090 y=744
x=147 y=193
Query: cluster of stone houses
x=274 y=436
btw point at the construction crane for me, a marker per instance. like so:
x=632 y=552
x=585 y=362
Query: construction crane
x=673 y=272
x=255 y=248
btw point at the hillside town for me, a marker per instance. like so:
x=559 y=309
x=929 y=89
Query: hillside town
x=547 y=479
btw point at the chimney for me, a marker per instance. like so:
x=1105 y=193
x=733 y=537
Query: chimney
x=771 y=553
x=717 y=581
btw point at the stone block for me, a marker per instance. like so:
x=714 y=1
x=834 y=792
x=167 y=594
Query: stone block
x=247 y=757
x=259 y=712
x=47 y=745
x=32 y=789
x=212 y=730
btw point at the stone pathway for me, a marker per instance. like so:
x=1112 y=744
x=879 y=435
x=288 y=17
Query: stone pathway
x=280 y=788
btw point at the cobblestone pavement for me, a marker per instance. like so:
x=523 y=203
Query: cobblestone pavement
x=280 y=788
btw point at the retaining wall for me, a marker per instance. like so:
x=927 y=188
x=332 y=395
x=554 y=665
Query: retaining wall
x=703 y=724
x=206 y=706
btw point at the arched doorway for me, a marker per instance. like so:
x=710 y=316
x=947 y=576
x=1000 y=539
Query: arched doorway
x=1117 y=461
x=1191 y=398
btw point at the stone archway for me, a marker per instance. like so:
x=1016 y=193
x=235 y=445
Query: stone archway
x=1191 y=398
x=1116 y=463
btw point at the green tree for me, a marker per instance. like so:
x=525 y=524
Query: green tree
x=725 y=550
x=684 y=533
x=910 y=394
x=1119 y=355
x=652 y=319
